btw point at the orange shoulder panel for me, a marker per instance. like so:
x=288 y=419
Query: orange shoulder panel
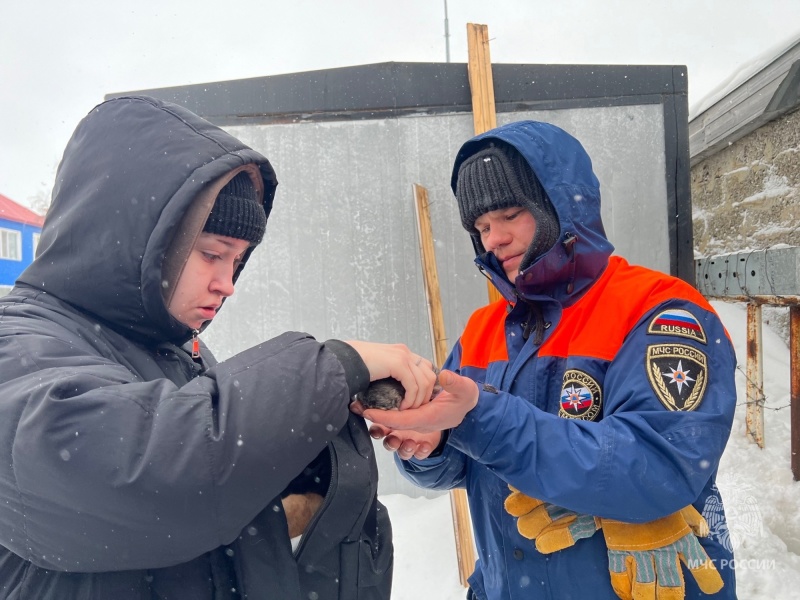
x=484 y=337
x=598 y=323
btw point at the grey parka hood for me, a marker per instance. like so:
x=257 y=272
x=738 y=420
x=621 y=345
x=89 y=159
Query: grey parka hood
x=129 y=175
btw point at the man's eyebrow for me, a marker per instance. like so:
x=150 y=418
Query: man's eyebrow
x=225 y=243
x=239 y=255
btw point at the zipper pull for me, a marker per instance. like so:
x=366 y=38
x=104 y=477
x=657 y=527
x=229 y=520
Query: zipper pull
x=195 y=344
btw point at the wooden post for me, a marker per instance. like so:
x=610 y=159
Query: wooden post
x=481 y=84
x=481 y=87
x=465 y=547
x=794 y=391
x=431 y=275
x=776 y=273
x=484 y=118
x=462 y=527
x=754 y=416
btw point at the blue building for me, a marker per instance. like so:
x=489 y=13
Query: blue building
x=19 y=235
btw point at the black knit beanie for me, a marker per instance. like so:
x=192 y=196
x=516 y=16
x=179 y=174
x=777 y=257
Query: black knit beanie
x=237 y=213
x=497 y=177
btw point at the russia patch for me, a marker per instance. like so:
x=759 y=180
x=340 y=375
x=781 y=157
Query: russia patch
x=678 y=375
x=581 y=396
x=677 y=322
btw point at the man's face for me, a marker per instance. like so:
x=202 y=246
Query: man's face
x=507 y=233
x=207 y=279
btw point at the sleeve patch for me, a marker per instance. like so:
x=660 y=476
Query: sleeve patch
x=678 y=375
x=581 y=396
x=677 y=322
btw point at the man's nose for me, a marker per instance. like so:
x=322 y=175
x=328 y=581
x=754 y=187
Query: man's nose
x=223 y=284
x=498 y=236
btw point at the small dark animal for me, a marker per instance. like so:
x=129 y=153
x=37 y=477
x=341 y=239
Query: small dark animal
x=387 y=393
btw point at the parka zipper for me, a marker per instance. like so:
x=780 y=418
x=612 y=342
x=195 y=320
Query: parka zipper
x=569 y=245
x=325 y=502
x=195 y=343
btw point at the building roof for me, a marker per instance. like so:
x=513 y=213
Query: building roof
x=753 y=96
x=12 y=211
x=393 y=89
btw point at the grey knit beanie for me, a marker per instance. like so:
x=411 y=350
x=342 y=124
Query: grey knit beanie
x=237 y=213
x=497 y=177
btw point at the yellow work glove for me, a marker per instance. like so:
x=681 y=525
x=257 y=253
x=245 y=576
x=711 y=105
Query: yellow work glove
x=551 y=527
x=644 y=558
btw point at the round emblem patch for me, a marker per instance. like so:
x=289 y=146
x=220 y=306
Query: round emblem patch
x=581 y=396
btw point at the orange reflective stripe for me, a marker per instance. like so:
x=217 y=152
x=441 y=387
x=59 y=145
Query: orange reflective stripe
x=484 y=337
x=594 y=327
x=598 y=323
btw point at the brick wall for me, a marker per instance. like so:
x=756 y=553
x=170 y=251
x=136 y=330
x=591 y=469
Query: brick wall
x=747 y=196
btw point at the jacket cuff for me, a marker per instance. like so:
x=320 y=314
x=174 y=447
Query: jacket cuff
x=442 y=443
x=355 y=371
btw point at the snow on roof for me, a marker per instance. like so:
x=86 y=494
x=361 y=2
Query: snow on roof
x=12 y=211
x=742 y=73
x=754 y=95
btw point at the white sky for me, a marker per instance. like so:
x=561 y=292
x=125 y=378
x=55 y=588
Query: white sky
x=58 y=59
x=760 y=497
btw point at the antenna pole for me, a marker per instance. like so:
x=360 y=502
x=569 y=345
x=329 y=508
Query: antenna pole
x=446 y=33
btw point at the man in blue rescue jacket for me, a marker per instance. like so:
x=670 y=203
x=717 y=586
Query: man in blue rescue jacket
x=586 y=412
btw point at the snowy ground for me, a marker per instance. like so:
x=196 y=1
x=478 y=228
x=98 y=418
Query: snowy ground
x=761 y=499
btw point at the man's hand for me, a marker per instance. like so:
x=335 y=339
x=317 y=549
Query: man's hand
x=551 y=527
x=644 y=559
x=459 y=395
x=413 y=371
x=407 y=443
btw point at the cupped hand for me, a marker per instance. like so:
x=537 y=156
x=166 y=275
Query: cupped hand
x=459 y=395
x=413 y=371
x=407 y=443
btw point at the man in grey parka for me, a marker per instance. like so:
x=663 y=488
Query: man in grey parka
x=132 y=465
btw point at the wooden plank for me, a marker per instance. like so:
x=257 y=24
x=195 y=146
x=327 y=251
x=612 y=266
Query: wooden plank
x=431 y=275
x=481 y=86
x=462 y=528
x=794 y=392
x=754 y=416
x=484 y=118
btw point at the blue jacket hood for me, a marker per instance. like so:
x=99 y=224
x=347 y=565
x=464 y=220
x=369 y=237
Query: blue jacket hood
x=565 y=171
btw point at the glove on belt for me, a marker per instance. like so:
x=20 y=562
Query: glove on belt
x=644 y=558
x=551 y=527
